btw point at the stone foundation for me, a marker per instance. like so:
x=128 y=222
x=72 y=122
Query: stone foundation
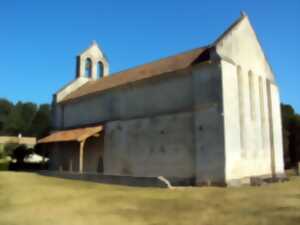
x=122 y=180
x=257 y=180
x=163 y=182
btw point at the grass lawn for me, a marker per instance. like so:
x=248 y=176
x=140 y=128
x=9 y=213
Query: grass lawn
x=30 y=199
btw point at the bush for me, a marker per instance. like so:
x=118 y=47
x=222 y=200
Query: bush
x=2 y=155
x=4 y=164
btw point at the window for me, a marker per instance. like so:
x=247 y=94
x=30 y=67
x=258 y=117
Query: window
x=100 y=69
x=252 y=94
x=88 y=67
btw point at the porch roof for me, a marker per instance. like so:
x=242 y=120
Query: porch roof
x=78 y=134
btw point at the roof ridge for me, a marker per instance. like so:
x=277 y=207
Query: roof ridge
x=161 y=59
x=231 y=27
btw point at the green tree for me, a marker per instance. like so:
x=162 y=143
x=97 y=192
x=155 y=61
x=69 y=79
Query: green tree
x=20 y=119
x=291 y=135
x=5 y=109
x=41 y=123
x=29 y=111
x=14 y=123
x=287 y=113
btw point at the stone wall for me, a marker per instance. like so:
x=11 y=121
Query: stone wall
x=166 y=94
x=252 y=120
x=248 y=146
x=208 y=125
x=158 y=146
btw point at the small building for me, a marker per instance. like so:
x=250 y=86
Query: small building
x=18 y=140
x=15 y=141
x=211 y=115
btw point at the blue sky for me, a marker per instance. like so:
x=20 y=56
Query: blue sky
x=39 y=40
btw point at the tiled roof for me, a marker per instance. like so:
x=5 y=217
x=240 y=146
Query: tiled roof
x=78 y=134
x=156 y=68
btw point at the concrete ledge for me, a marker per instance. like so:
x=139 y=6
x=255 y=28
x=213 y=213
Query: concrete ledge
x=161 y=182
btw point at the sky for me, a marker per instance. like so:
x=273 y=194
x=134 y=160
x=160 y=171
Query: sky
x=39 y=40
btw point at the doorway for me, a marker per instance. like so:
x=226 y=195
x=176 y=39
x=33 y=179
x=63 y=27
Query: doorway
x=93 y=154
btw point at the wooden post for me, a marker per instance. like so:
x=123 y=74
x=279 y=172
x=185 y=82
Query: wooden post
x=81 y=149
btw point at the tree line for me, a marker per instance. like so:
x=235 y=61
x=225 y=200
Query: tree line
x=291 y=135
x=26 y=118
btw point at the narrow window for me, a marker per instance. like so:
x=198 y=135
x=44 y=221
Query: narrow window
x=88 y=67
x=241 y=106
x=262 y=111
x=251 y=95
x=100 y=69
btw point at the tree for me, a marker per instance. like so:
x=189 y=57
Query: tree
x=41 y=123
x=20 y=119
x=287 y=113
x=291 y=135
x=20 y=153
x=27 y=118
x=29 y=111
x=5 y=109
x=14 y=123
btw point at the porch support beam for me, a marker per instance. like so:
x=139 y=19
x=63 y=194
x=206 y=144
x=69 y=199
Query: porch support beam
x=81 y=151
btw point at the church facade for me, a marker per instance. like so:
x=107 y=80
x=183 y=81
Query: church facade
x=210 y=115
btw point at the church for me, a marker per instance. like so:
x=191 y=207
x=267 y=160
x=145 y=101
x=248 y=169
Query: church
x=210 y=115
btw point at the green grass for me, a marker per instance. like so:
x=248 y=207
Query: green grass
x=30 y=199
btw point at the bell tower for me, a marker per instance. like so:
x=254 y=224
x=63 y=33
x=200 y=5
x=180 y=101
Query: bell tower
x=92 y=63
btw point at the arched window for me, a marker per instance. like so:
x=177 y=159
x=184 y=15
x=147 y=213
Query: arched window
x=100 y=70
x=88 y=68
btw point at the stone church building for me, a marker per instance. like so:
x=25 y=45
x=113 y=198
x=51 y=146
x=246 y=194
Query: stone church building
x=210 y=115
